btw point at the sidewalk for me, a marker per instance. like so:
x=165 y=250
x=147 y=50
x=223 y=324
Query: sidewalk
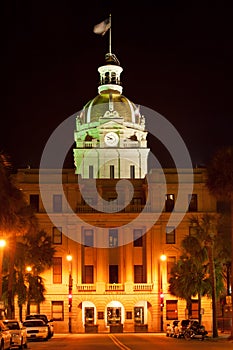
x=221 y=337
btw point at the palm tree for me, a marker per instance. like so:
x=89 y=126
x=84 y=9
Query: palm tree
x=205 y=232
x=16 y=220
x=36 y=251
x=220 y=183
x=188 y=279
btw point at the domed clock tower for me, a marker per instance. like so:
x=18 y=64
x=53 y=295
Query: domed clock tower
x=110 y=135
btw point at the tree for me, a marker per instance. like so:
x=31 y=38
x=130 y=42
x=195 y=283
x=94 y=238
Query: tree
x=220 y=183
x=188 y=279
x=37 y=252
x=15 y=219
x=18 y=223
x=198 y=272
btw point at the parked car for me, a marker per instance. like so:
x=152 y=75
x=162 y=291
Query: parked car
x=5 y=337
x=36 y=329
x=45 y=319
x=18 y=333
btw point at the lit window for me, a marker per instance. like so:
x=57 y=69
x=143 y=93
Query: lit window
x=88 y=274
x=171 y=310
x=113 y=238
x=170 y=202
x=57 y=235
x=58 y=310
x=170 y=235
x=57 y=270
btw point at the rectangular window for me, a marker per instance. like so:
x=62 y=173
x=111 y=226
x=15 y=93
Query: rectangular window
x=137 y=238
x=137 y=201
x=195 y=309
x=132 y=171
x=34 y=202
x=113 y=273
x=58 y=310
x=111 y=171
x=88 y=274
x=171 y=260
x=170 y=202
x=138 y=274
x=100 y=315
x=129 y=315
x=57 y=235
x=170 y=235
x=57 y=270
x=171 y=310
x=91 y=172
x=57 y=203
x=192 y=198
x=113 y=238
x=88 y=238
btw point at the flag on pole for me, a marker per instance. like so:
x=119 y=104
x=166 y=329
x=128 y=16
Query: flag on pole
x=102 y=27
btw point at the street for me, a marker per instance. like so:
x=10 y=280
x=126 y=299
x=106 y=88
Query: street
x=129 y=341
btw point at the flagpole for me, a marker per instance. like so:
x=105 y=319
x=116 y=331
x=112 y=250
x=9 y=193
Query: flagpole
x=110 y=34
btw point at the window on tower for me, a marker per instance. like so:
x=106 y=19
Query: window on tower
x=169 y=203
x=91 y=172
x=111 y=171
x=132 y=171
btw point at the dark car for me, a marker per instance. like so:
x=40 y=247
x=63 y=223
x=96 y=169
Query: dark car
x=43 y=317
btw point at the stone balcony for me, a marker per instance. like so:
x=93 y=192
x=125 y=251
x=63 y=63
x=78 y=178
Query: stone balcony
x=101 y=287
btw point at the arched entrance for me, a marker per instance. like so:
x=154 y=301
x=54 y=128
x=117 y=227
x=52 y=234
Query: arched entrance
x=115 y=316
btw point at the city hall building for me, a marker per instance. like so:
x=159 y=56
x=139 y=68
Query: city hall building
x=117 y=227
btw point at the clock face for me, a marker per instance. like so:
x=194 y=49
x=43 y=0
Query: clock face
x=111 y=139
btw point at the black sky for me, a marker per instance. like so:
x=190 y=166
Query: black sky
x=176 y=56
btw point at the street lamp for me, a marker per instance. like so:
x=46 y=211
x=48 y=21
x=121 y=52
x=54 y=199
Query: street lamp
x=163 y=258
x=70 y=287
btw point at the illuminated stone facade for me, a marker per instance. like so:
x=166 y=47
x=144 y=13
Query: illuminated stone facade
x=125 y=279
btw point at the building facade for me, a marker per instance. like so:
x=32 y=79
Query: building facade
x=114 y=220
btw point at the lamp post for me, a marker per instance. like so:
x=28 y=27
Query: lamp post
x=70 y=287
x=2 y=245
x=163 y=258
x=28 y=274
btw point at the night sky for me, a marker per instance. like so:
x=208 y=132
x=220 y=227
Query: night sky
x=177 y=58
